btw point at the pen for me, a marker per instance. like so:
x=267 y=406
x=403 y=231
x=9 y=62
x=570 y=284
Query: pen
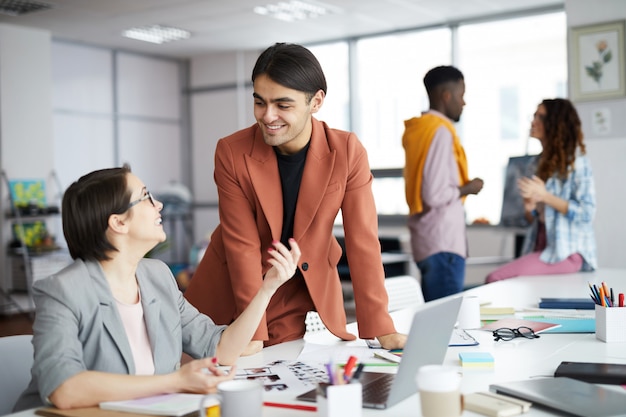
x=620 y=297
x=612 y=298
x=357 y=372
x=292 y=406
x=606 y=289
x=331 y=376
x=594 y=296
x=602 y=298
x=597 y=292
x=347 y=370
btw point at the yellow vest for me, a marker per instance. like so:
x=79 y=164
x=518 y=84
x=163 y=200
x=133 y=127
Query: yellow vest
x=418 y=135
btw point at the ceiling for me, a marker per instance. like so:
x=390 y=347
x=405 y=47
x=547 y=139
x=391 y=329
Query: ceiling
x=226 y=25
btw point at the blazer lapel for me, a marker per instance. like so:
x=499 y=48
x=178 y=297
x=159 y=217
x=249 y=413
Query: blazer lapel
x=151 y=312
x=263 y=168
x=110 y=318
x=315 y=178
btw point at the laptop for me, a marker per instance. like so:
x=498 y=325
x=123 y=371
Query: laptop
x=426 y=345
x=567 y=395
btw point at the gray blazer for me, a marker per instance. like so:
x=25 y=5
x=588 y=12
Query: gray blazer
x=77 y=327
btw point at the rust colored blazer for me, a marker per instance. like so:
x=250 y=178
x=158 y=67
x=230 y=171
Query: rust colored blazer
x=336 y=176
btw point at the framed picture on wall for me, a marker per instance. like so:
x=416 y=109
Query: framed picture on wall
x=597 y=66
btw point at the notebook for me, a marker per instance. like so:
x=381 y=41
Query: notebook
x=426 y=345
x=460 y=337
x=568 y=395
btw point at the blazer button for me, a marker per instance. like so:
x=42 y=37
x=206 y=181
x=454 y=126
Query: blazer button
x=305 y=266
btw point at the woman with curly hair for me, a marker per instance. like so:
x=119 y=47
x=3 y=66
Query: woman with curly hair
x=559 y=201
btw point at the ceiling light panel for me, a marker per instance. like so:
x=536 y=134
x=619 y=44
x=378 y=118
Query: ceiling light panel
x=293 y=10
x=157 y=34
x=20 y=7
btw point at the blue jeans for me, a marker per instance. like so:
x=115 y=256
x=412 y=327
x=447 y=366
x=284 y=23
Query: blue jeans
x=442 y=274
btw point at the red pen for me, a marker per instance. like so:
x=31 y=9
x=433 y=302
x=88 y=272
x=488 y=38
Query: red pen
x=620 y=298
x=347 y=370
x=292 y=406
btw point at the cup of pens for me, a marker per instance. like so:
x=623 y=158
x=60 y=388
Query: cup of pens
x=342 y=396
x=610 y=314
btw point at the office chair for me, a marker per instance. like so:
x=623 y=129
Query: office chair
x=313 y=322
x=17 y=359
x=403 y=291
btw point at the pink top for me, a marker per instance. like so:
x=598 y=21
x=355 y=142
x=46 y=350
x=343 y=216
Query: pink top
x=441 y=226
x=132 y=318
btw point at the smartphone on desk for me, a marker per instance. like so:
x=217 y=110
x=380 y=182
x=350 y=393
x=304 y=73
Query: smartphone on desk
x=373 y=344
x=596 y=373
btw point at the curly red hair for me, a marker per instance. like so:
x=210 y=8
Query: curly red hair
x=563 y=137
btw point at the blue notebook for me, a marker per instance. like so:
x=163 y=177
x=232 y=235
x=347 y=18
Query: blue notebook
x=568 y=303
x=569 y=324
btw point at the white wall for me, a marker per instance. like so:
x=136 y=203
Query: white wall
x=221 y=103
x=71 y=108
x=606 y=151
x=25 y=119
x=26 y=128
x=82 y=106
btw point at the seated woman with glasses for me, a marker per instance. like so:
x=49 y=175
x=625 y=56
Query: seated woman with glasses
x=113 y=325
x=559 y=201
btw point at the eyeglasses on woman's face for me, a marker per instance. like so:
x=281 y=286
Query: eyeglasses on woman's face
x=505 y=333
x=146 y=196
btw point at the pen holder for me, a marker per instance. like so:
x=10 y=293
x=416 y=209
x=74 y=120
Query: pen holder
x=339 y=400
x=611 y=324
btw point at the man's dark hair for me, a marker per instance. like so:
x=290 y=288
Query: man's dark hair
x=441 y=75
x=292 y=66
x=85 y=210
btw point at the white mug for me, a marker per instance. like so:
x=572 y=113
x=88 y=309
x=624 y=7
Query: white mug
x=469 y=313
x=239 y=397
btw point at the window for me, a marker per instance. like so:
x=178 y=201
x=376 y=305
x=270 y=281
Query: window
x=509 y=67
x=333 y=58
x=389 y=72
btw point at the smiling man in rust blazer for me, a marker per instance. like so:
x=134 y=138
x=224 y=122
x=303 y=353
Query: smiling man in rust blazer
x=285 y=177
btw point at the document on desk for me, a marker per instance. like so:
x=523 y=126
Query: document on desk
x=339 y=354
x=174 y=405
x=286 y=376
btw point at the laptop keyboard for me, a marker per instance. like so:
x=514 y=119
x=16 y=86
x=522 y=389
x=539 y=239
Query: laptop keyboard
x=376 y=388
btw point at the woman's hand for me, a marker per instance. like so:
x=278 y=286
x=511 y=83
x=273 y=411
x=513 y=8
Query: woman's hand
x=533 y=189
x=284 y=264
x=201 y=376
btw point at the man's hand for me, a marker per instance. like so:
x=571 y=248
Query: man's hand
x=255 y=346
x=472 y=187
x=392 y=341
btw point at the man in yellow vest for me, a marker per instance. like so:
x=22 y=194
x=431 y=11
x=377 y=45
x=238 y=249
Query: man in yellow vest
x=436 y=184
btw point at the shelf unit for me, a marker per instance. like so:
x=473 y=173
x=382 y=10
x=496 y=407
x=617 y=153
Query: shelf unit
x=26 y=264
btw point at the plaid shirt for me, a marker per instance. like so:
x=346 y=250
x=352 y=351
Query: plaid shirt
x=567 y=234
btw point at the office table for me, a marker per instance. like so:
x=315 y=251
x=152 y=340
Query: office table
x=514 y=360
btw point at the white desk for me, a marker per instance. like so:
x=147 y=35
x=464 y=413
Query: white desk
x=514 y=360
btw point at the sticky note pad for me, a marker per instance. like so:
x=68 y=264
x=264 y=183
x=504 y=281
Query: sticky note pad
x=490 y=311
x=476 y=359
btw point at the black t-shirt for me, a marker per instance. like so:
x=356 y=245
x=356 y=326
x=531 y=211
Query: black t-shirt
x=290 y=168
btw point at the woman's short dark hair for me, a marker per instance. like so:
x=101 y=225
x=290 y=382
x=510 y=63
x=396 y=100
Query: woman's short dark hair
x=85 y=210
x=292 y=66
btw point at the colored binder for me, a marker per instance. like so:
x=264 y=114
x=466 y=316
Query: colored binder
x=568 y=303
